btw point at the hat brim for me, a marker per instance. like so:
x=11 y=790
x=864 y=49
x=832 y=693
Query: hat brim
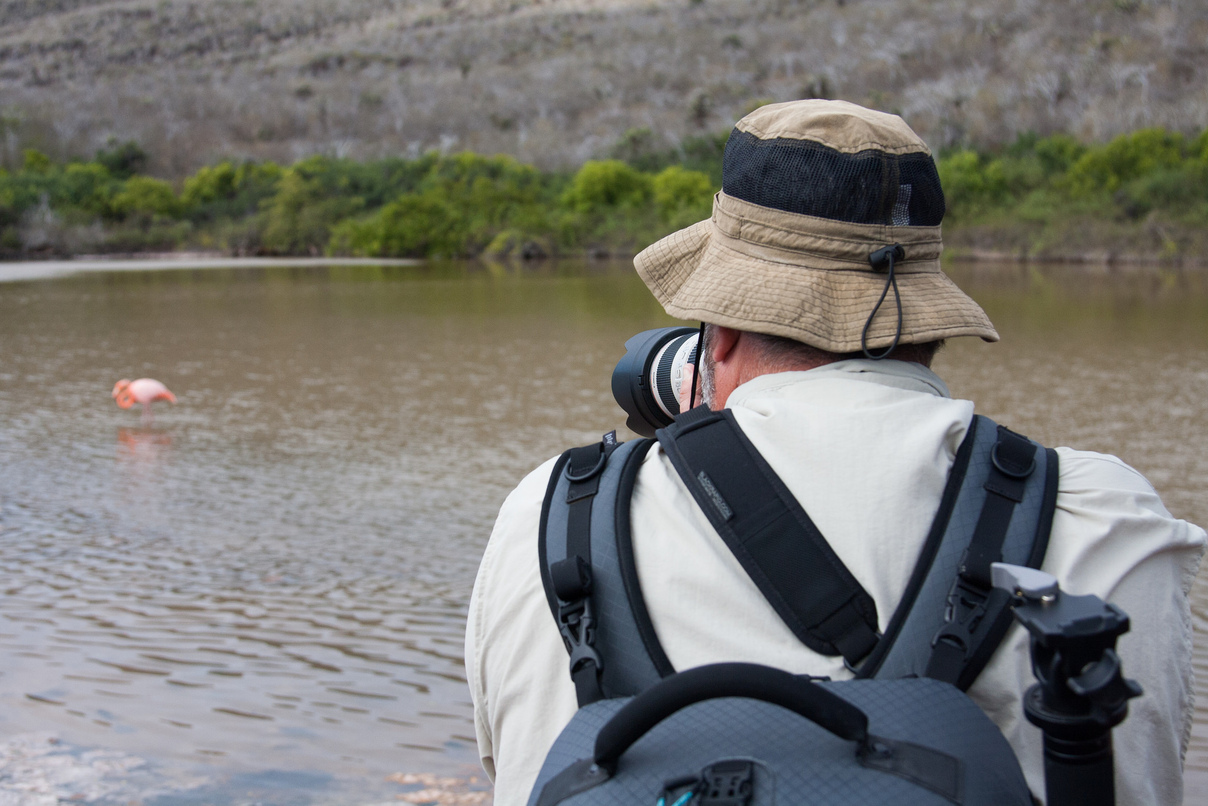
x=704 y=273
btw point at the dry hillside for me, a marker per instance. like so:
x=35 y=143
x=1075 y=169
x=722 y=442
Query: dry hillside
x=559 y=81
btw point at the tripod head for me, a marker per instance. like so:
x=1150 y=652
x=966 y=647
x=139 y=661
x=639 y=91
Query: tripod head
x=1081 y=692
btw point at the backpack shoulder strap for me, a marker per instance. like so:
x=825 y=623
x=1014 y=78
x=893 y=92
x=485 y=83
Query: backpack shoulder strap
x=585 y=576
x=947 y=625
x=771 y=535
x=998 y=506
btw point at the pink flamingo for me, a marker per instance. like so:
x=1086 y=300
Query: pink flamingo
x=144 y=390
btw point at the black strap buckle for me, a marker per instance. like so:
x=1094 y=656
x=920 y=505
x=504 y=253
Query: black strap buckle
x=965 y=610
x=577 y=623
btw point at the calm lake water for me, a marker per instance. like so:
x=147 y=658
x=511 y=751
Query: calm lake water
x=261 y=596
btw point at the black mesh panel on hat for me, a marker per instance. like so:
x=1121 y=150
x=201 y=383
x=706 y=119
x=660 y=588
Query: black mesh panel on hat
x=806 y=177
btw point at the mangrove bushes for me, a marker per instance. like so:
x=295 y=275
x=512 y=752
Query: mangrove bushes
x=1145 y=192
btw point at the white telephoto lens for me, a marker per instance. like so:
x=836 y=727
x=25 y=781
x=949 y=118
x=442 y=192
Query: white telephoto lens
x=668 y=371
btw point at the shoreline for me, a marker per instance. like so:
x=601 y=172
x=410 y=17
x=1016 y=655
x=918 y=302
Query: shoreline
x=24 y=270
x=47 y=269
x=1104 y=258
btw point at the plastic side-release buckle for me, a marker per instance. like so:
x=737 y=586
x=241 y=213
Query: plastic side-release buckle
x=577 y=623
x=965 y=610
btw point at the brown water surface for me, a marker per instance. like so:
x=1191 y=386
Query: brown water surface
x=264 y=591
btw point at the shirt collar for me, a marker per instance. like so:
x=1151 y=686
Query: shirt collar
x=897 y=374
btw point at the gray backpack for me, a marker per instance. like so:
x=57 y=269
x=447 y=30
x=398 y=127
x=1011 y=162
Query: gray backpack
x=908 y=740
x=737 y=734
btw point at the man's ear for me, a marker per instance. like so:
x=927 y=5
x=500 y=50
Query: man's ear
x=722 y=342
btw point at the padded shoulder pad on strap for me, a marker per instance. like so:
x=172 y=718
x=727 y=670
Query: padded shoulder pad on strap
x=588 y=575
x=998 y=505
x=770 y=534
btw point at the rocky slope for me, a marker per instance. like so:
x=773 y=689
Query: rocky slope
x=556 y=82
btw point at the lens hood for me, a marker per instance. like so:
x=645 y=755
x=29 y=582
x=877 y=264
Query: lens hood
x=632 y=380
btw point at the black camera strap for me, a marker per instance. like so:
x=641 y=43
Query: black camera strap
x=771 y=535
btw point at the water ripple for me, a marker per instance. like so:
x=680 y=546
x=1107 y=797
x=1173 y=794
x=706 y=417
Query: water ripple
x=275 y=575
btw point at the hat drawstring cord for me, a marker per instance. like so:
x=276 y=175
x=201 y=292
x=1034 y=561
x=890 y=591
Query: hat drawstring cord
x=879 y=259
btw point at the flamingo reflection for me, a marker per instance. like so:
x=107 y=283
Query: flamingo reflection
x=142 y=440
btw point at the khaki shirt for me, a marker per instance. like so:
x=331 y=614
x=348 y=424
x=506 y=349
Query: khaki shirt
x=865 y=447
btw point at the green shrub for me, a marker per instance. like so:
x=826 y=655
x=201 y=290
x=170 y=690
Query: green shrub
x=226 y=190
x=1058 y=153
x=461 y=205
x=1128 y=157
x=10 y=209
x=682 y=197
x=85 y=186
x=971 y=183
x=608 y=206
x=35 y=162
x=641 y=149
x=1032 y=163
x=1197 y=149
x=1039 y=190
x=413 y=225
x=1165 y=189
x=491 y=194
x=17 y=194
x=299 y=217
x=123 y=160
x=602 y=186
x=210 y=184
x=142 y=195
x=375 y=182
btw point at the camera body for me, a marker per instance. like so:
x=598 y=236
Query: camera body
x=646 y=381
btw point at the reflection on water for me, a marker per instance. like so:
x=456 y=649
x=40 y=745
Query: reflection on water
x=272 y=580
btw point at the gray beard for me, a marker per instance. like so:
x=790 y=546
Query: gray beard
x=707 y=391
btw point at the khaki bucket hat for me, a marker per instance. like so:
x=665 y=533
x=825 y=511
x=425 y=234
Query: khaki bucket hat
x=810 y=190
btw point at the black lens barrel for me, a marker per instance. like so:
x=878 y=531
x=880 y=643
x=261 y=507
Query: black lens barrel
x=633 y=382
